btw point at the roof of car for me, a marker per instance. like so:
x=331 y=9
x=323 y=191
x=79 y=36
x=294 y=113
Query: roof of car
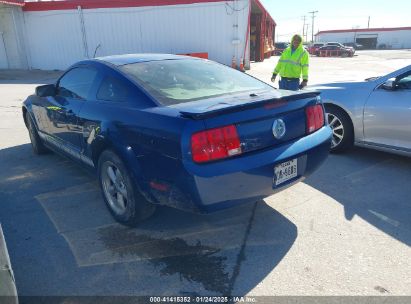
x=134 y=58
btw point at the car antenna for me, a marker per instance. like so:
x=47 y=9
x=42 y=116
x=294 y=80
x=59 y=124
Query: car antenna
x=95 y=51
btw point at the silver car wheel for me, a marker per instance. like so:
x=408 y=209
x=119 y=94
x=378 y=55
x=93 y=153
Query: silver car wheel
x=338 y=129
x=114 y=188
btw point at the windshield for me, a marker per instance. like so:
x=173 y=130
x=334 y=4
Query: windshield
x=176 y=81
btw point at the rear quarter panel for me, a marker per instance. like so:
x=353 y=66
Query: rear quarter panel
x=148 y=140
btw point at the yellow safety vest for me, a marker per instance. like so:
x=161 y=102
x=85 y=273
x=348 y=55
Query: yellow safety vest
x=293 y=65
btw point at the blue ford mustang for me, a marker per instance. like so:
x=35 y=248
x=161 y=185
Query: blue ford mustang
x=178 y=131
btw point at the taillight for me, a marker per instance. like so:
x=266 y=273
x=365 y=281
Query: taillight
x=315 y=118
x=215 y=144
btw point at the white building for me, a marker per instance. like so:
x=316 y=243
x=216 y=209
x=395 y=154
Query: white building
x=55 y=34
x=370 y=38
x=12 y=45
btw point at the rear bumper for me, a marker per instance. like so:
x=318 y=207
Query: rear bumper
x=250 y=178
x=245 y=179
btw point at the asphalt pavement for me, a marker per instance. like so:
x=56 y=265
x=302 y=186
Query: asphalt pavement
x=346 y=230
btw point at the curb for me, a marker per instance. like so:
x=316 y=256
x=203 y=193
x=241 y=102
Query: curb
x=8 y=289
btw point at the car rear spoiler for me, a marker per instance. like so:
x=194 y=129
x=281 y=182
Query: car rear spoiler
x=224 y=108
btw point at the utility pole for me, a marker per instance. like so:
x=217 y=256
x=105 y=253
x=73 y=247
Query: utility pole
x=312 y=23
x=369 y=17
x=303 y=24
x=306 y=32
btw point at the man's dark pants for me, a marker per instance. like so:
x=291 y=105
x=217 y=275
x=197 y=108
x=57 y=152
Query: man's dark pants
x=291 y=84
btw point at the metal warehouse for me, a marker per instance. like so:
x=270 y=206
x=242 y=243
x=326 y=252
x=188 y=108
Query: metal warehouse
x=370 y=38
x=54 y=34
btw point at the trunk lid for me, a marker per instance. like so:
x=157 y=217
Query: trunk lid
x=254 y=115
x=212 y=107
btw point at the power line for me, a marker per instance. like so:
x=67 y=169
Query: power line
x=286 y=19
x=288 y=34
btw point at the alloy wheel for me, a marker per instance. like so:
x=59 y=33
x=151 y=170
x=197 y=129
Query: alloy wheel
x=114 y=187
x=338 y=129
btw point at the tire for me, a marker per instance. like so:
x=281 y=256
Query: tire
x=115 y=182
x=343 y=131
x=36 y=143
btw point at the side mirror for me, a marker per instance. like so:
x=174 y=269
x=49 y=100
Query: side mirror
x=46 y=90
x=389 y=85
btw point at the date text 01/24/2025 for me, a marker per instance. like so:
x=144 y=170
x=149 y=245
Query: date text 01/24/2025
x=202 y=299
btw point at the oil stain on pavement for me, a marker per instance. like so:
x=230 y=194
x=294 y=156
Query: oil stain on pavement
x=196 y=262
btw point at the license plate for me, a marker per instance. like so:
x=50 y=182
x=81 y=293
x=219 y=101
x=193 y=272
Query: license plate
x=285 y=171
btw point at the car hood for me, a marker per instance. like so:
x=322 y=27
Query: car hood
x=345 y=94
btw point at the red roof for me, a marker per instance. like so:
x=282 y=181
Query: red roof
x=261 y=6
x=378 y=29
x=13 y=2
x=90 y=4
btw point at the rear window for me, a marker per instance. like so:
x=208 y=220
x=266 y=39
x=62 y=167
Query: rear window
x=177 y=81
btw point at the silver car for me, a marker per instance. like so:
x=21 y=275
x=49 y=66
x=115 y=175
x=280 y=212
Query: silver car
x=375 y=113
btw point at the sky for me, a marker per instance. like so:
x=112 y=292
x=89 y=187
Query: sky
x=331 y=15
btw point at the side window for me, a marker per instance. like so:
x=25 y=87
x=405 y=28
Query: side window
x=113 y=89
x=404 y=82
x=77 y=83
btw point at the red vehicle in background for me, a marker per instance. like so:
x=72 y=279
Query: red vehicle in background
x=335 y=51
x=341 y=45
x=313 y=48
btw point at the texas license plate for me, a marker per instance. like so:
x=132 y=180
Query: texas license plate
x=285 y=171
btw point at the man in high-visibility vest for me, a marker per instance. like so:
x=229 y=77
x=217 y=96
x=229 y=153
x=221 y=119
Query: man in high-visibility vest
x=292 y=65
